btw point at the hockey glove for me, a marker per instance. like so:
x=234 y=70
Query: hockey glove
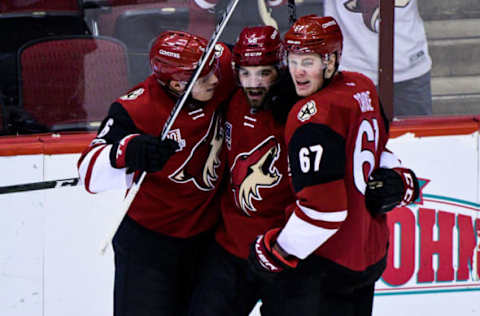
x=142 y=152
x=388 y=188
x=265 y=261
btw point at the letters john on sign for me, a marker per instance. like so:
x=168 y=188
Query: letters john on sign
x=434 y=246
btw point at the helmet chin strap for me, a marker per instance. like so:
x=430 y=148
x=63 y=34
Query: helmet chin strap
x=326 y=80
x=170 y=91
x=190 y=103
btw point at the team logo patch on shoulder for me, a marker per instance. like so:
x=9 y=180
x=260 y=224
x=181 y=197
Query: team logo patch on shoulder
x=133 y=95
x=308 y=110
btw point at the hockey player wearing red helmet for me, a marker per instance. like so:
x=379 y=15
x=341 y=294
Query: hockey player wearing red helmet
x=158 y=245
x=257 y=188
x=327 y=257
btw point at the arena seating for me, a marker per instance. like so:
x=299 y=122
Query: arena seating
x=22 y=21
x=39 y=7
x=69 y=82
x=453 y=32
x=137 y=23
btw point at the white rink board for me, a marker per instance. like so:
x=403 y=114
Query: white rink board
x=49 y=240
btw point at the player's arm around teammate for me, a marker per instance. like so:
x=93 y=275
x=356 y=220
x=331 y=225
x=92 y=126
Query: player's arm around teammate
x=158 y=245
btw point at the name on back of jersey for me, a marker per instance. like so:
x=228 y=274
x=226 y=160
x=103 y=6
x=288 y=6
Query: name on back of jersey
x=364 y=101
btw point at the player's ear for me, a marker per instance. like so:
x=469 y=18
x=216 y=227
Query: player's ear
x=177 y=86
x=331 y=66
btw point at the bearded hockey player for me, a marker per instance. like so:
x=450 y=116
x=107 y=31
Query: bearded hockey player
x=258 y=189
x=158 y=244
x=332 y=248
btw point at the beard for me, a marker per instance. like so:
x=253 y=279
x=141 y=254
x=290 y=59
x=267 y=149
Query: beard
x=255 y=96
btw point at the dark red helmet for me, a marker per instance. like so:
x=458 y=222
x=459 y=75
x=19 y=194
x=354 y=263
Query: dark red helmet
x=259 y=46
x=314 y=34
x=175 y=56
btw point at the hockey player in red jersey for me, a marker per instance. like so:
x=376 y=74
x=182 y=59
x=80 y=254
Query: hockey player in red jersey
x=257 y=190
x=332 y=248
x=158 y=244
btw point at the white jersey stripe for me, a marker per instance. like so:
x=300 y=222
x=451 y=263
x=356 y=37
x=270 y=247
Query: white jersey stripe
x=300 y=238
x=103 y=176
x=338 y=216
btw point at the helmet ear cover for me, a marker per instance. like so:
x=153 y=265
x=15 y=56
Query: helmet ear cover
x=175 y=55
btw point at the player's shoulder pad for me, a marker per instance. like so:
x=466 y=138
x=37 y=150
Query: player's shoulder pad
x=223 y=54
x=140 y=93
x=357 y=76
x=305 y=111
x=316 y=155
x=116 y=125
x=133 y=95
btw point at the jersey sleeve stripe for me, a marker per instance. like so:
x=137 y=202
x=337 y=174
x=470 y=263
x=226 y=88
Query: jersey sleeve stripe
x=330 y=196
x=86 y=152
x=335 y=216
x=104 y=177
x=319 y=223
x=87 y=165
x=300 y=238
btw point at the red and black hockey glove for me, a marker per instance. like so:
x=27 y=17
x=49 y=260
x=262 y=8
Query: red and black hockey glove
x=388 y=188
x=142 y=152
x=265 y=261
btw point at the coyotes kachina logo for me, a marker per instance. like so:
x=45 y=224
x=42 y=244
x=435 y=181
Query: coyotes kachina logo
x=434 y=246
x=370 y=11
x=200 y=166
x=254 y=170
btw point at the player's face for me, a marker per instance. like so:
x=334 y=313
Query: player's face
x=307 y=72
x=256 y=81
x=204 y=87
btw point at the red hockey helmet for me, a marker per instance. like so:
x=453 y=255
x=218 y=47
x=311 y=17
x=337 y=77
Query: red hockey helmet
x=175 y=56
x=259 y=46
x=314 y=34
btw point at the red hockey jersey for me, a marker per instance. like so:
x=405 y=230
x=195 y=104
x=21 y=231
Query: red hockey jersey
x=258 y=188
x=178 y=200
x=335 y=139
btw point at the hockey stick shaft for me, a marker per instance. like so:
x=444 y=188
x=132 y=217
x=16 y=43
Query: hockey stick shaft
x=173 y=115
x=292 y=12
x=70 y=182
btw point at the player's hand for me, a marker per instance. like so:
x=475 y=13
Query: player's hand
x=142 y=152
x=388 y=188
x=265 y=259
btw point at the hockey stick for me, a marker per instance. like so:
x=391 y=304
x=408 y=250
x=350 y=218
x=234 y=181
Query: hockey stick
x=292 y=12
x=70 y=182
x=173 y=115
